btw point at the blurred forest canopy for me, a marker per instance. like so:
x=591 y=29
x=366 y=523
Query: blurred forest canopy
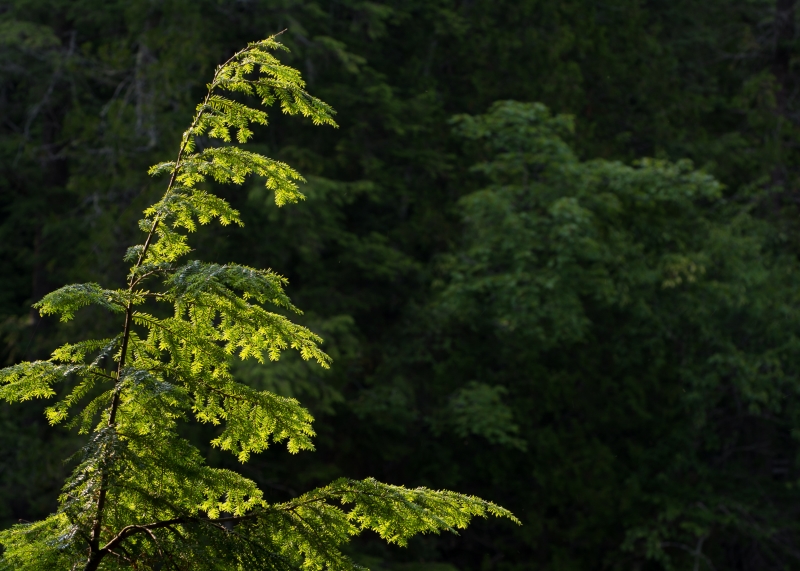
x=552 y=250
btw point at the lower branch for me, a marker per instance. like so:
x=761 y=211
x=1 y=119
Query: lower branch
x=97 y=555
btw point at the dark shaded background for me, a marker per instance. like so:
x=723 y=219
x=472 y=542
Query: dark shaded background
x=628 y=445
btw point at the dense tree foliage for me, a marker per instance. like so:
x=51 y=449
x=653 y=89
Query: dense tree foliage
x=517 y=302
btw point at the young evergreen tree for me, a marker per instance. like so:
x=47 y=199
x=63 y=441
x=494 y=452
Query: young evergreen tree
x=141 y=496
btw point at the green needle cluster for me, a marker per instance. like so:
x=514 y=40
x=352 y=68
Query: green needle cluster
x=141 y=496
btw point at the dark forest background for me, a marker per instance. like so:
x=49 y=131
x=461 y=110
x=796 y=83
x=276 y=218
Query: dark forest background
x=584 y=306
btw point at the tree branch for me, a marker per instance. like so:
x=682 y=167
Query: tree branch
x=130 y=530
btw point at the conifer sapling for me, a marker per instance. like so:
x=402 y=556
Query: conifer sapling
x=142 y=497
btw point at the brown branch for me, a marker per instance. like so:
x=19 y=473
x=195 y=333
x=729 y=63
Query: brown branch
x=98 y=373
x=130 y=530
x=148 y=274
x=121 y=556
x=94 y=541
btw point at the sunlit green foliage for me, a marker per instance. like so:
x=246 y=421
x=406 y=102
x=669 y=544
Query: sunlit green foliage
x=141 y=495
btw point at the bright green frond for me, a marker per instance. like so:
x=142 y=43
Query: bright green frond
x=67 y=300
x=253 y=419
x=161 y=168
x=397 y=513
x=196 y=278
x=46 y=544
x=77 y=352
x=86 y=417
x=233 y=165
x=229 y=492
x=28 y=381
x=34 y=380
x=185 y=205
x=166 y=248
x=274 y=81
x=310 y=535
x=60 y=411
x=218 y=115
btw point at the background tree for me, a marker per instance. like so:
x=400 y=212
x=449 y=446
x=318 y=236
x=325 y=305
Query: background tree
x=610 y=298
